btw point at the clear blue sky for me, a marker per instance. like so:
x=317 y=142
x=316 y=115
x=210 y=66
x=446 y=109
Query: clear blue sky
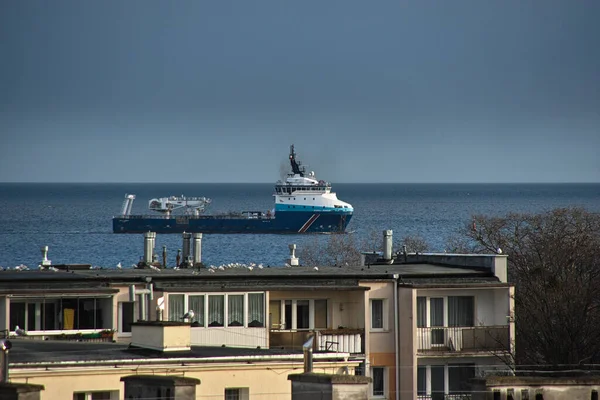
x=369 y=91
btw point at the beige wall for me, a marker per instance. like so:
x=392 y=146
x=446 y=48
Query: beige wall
x=266 y=381
x=407 y=311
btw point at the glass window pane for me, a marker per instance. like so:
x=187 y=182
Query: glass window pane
x=436 y=311
x=377 y=314
x=437 y=381
x=378 y=381
x=17 y=315
x=196 y=304
x=256 y=307
x=320 y=314
x=235 y=310
x=302 y=313
x=126 y=316
x=232 y=394
x=459 y=377
x=275 y=314
x=421 y=381
x=216 y=310
x=421 y=312
x=461 y=311
x=176 y=311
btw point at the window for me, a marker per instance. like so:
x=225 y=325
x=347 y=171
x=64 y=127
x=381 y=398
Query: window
x=459 y=378
x=235 y=310
x=377 y=314
x=298 y=314
x=525 y=394
x=438 y=381
x=256 y=313
x=196 y=303
x=47 y=314
x=378 y=385
x=176 y=307
x=237 y=394
x=421 y=381
x=126 y=316
x=461 y=310
x=107 y=395
x=216 y=310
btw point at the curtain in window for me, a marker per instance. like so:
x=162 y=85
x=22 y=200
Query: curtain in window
x=302 y=314
x=461 y=311
x=176 y=311
x=377 y=314
x=256 y=307
x=421 y=312
x=196 y=304
x=320 y=314
x=216 y=310
x=235 y=310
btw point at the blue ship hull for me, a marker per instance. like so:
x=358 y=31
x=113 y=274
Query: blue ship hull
x=282 y=222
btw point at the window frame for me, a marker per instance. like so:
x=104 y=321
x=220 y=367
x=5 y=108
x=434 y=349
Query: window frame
x=384 y=315
x=243 y=393
x=205 y=312
x=446 y=311
x=120 y=323
x=384 y=389
x=294 y=314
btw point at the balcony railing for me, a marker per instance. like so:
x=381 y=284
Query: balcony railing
x=333 y=340
x=443 y=396
x=463 y=339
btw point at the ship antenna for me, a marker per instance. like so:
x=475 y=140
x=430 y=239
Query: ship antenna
x=295 y=165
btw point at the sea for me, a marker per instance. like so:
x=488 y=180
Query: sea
x=74 y=219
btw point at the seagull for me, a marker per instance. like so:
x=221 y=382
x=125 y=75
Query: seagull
x=221 y=268
x=260 y=266
x=288 y=265
x=19 y=331
x=119 y=266
x=250 y=268
x=154 y=268
x=211 y=270
x=189 y=314
x=499 y=250
x=316 y=268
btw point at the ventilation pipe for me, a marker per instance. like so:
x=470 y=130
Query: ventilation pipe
x=45 y=261
x=148 y=246
x=197 y=248
x=307 y=349
x=164 y=256
x=187 y=245
x=387 y=244
x=293 y=260
x=5 y=346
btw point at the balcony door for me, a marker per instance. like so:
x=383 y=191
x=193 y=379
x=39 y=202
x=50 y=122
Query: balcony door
x=436 y=319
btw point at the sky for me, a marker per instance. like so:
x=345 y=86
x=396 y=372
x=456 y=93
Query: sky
x=368 y=91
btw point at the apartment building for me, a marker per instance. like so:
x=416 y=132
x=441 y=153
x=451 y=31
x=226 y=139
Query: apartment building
x=419 y=325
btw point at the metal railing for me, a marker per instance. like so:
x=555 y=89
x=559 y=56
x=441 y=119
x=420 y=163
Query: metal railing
x=463 y=339
x=332 y=340
x=444 y=396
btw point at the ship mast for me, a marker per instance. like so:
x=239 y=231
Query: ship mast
x=295 y=165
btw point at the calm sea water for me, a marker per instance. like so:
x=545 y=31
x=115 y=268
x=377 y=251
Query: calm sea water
x=74 y=220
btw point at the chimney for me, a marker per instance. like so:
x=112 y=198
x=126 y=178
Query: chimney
x=187 y=245
x=387 y=244
x=162 y=336
x=197 y=249
x=149 y=246
x=293 y=260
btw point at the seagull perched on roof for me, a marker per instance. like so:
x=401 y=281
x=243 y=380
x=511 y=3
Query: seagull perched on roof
x=189 y=315
x=316 y=268
x=119 y=266
x=19 y=331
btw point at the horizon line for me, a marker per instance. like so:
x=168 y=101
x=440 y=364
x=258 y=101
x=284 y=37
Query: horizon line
x=271 y=183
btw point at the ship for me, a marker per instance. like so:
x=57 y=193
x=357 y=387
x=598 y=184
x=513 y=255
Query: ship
x=303 y=204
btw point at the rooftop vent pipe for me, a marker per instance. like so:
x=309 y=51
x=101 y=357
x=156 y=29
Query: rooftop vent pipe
x=293 y=260
x=187 y=246
x=45 y=261
x=149 y=238
x=197 y=248
x=387 y=244
x=307 y=349
x=5 y=346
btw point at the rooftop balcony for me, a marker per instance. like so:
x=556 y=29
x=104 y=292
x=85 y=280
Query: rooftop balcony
x=333 y=340
x=460 y=340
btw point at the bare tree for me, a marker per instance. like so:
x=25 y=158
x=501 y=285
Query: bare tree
x=554 y=262
x=414 y=244
x=336 y=251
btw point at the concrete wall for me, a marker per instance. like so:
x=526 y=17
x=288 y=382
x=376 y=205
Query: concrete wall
x=265 y=381
x=494 y=262
x=407 y=299
x=576 y=388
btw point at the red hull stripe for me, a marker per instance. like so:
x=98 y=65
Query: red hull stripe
x=308 y=223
